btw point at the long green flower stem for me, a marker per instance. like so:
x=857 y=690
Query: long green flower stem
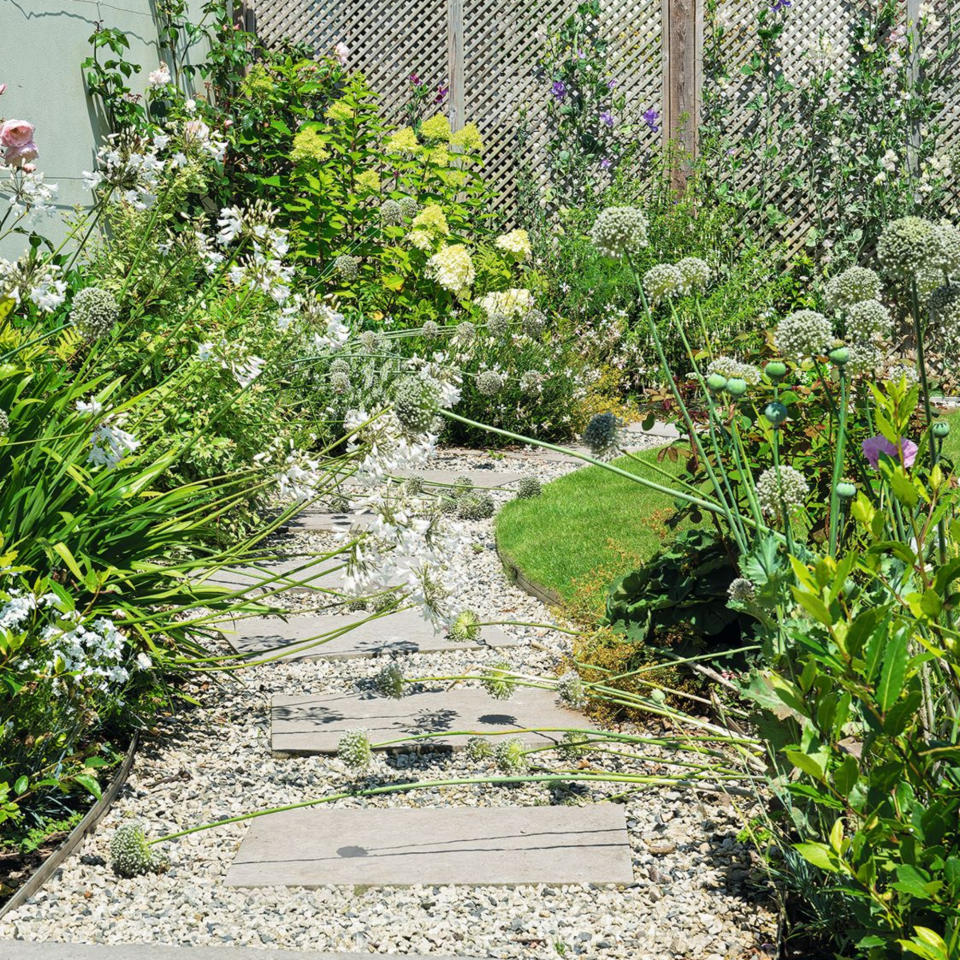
x=649 y=781
x=650 y=484
x=838 y=465
x=727 y=509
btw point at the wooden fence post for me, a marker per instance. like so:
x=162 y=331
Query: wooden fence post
x=455 y=93
x=682 y=39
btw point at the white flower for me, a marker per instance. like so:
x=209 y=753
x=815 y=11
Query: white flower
x=889 y=161
x=341 y=51
x=89 y=408
x=110 y=444
x=160 y=76
x=204 y=351
x=143 y=661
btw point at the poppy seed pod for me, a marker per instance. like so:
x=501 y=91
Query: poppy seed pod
x=776 y=413
x=736 y=387
x=775 y=370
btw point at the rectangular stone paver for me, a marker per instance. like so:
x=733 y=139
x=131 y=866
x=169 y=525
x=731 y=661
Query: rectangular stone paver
x=29 y=950
x=330 y=522
x=403 y=632
x=307 y=725
x=303 y=573
x=482 y=479
x=401 y=846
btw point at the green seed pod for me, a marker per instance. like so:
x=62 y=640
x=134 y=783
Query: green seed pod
x=776 y=413
x=775 y=370
x=716 y=382
x=941 y=429
x=736 y=387
x=846 y=490
x=840 y=356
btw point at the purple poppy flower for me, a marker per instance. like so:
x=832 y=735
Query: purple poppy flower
x=607 y=118
x=875 y=447
x=442 y=92
x=779 y=5
x=652 y=119
x=415 y=80
x=559 y=89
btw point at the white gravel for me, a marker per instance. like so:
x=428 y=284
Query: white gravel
x=690 y=898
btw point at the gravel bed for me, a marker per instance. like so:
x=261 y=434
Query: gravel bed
x=694 y=895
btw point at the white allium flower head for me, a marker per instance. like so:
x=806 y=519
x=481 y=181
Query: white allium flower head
x=662 y=280
x=779 y=487
x=944 y=307
x=804 y=333
x=732 y=368
x=620 y=231
x=696 y=274
x=868 y=320
x=853 y=285
x=907 y=246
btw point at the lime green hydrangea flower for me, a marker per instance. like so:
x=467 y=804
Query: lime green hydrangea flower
x=339 y=112
x=309 y=146
x=403 y=141
x=452 y=267
x=468 y=139
x=516 y=243
x=368 y=180
x=436 y=128
x=432 y=219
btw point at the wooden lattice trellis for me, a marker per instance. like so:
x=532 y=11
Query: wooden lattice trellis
x=487 y=50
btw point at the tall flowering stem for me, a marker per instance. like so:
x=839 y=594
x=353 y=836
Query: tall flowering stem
x=838 y=463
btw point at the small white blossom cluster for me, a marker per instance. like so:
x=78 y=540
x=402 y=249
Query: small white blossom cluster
x=732 y=368
x=869 y=327
x=689 y=275
x=261 y=265
x=31 y=197
x=70 y=651
x=130 y=166
x=853 y=285
x=244 y=367
x=27 y=279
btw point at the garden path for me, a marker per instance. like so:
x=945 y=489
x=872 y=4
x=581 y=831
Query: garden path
x=658 y=875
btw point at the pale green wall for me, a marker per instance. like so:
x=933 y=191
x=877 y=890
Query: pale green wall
x=42 y=44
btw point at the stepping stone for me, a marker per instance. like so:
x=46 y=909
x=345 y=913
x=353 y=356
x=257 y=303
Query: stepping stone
x=403 y=632
x=482 y=479
x=319 y=576
x=30 y=950
x=331 y=522
x=308 y=725
x=402 y=846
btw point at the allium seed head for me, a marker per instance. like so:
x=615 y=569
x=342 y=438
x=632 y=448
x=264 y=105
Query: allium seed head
x=804 y=333
x=475 y=506
x=570 y=689
x=602 y=435
x=511 y=755
x=355 y=751
x=94 y=313
x=779 y=487
x=489 y=383
x=742 y=590
x=662 y=280
x=498 y=681
x=528 y=488
x=391 y=213
x=907 y=246
x=389 y=681
x=696 y=274
x=466 y=627
x=852 y=286
x=415 y=403
x=347 y=267
x=479 y=749
x=619 y=231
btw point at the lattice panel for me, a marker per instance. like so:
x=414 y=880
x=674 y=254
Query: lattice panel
x=388 y=39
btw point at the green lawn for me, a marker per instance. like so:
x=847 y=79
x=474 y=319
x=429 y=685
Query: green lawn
x=585 y=520
x=582 y=522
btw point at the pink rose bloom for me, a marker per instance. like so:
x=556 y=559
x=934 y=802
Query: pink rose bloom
x=875 y=446
x=16 y=138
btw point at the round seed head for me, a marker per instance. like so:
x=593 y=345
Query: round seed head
x=415 y=403
x=907 y=246
x=741 y=590
x=489 y=383
x=479 y=749
x=854 y=285
x=355 y=751
x=804 y=333
x=781 y=487
x=466 y=627
x=389 y=681
x=602 y=435
x=499 y=682
x=570 y=689
x=528 y=488
x=511 y=755
x=662 y=280
x=475 y=506
x=619 y=231
x=94 y=313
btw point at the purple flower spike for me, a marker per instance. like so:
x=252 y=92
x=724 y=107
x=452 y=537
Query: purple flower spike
x=559 y=89
x=652 y=119
x=606 y=163
x=441 y=94
x=778 y=5
x=611 y=83
x=607 y=118
x=415 y=79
